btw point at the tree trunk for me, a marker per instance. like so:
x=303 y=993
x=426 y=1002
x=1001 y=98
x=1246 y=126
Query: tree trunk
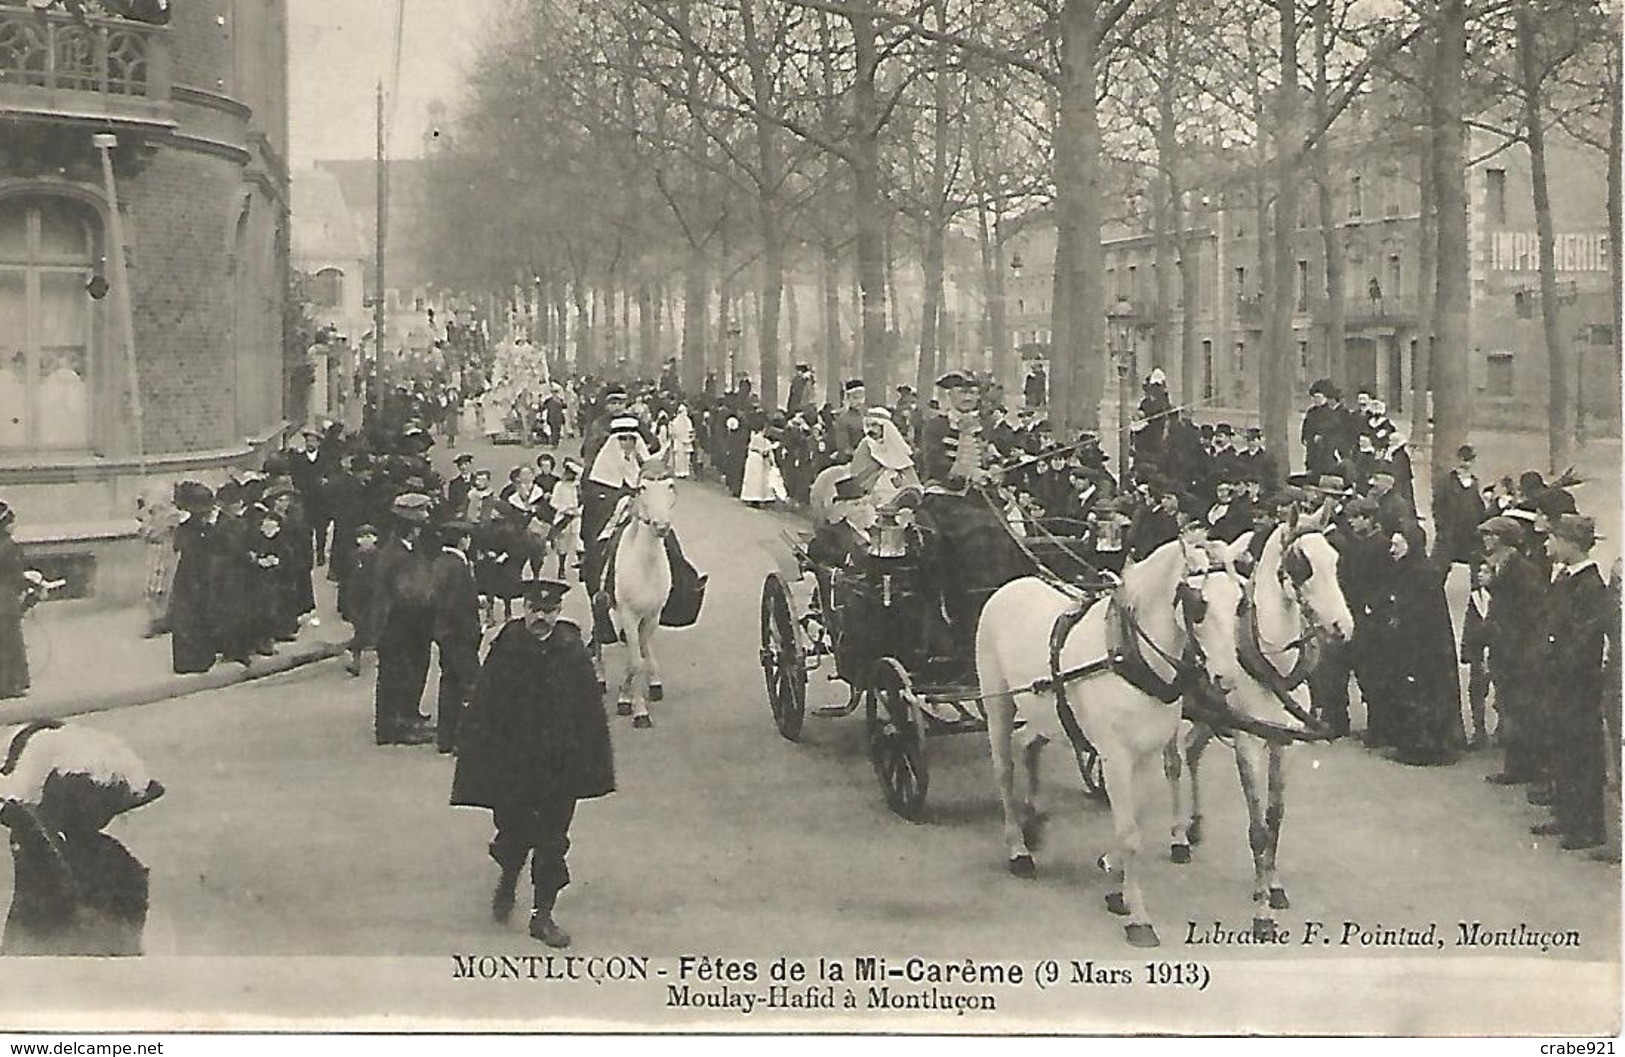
x=869 y=210
x=1163 y=210
x=1331 y=238
x=769 y=163
x=1452 y=412
x=648 y=324
x=1190 y=285
x=1616 y=275
x=1427 y=278
x=1078 y=356
x=829 y=275
x=936 y=224
x=584 y=360
x=1275 y=367
x=1559 y=427
x=696 y=294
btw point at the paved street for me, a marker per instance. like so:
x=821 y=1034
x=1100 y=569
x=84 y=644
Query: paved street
x=287 y=832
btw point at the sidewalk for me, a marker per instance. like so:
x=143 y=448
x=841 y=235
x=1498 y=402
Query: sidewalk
x=86 y=660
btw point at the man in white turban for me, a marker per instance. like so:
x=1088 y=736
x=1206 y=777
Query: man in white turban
x=882 y=462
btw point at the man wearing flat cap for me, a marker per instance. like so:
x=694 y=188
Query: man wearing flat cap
x=1575 y=619
x=404 y=622
x=534 y=740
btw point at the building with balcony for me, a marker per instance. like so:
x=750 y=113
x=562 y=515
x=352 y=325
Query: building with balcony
x=143 y=264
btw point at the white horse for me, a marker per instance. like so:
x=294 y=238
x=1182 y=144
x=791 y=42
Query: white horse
x=642 y=582
x=1291 y=601
x=1130 y=728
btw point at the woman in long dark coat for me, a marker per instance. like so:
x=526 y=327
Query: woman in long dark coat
x=13 y=650
x=1425 y=682
x=194 y=635
x=534 y=740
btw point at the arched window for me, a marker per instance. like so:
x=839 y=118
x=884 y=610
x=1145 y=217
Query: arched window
x=327 y=288
x=49 y=249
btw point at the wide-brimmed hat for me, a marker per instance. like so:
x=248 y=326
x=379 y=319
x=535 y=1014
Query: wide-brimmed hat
x=954 y=380
x=1331 y=484
x=1576 y=528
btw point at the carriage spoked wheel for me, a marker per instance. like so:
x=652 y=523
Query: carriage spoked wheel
x=1093 y=774
x=783 y=669
x=897 y=739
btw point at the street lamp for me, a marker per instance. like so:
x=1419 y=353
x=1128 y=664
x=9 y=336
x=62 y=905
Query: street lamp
x=1120 y=336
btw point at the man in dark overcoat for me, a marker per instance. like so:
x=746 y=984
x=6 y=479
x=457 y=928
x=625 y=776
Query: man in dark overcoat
x=534 y=740
x=1574 y=618
x=403 y=621
x=1515 y=586
x=456 y=628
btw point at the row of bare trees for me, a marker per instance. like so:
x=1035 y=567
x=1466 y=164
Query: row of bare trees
x=688 y=164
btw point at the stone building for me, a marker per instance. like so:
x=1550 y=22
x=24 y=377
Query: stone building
x=1377 y=209
x=179 y=369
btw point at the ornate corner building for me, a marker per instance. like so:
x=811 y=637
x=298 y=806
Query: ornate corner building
x=162 y=125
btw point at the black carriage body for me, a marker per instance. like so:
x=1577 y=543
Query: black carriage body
x=880 y=607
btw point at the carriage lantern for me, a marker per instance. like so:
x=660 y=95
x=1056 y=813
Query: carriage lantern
x=888 y=538
x=1108 y=532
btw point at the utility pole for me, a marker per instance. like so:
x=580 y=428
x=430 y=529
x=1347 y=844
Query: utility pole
x=381 y=221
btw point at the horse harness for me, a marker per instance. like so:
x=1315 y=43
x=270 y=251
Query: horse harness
x=1205 y=702
x=1125 y=657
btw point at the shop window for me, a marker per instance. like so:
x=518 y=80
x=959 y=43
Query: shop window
x=49 y=252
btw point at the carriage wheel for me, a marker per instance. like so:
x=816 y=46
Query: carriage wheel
x=897 y=739
x=1093 y=773
x=782 y=664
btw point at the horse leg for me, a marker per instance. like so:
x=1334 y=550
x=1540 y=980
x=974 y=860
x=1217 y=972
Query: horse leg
x=634 y=690
x=1125 y=899
x=1033 y=815
x=651 y=667
x=1176 y=769
x=1201 y=737
x=1274 y=815
x=1001 y=719
x=1252 y=767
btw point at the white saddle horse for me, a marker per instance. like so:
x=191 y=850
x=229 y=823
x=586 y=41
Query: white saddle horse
x=642 y=583
x=1131 y=724
x=1281 y=614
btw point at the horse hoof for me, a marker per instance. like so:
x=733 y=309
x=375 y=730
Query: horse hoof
x=642 y=723
x=623 y=708
x=657 y=692
x=1278 y=899
x=1264 y=930
x=1141 y=936
x=1119 y=906
x=1022 y=866
x=1180 y=853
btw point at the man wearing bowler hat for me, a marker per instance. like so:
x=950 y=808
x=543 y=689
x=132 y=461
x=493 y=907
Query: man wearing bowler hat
x=1512 y=636
x=534 y=740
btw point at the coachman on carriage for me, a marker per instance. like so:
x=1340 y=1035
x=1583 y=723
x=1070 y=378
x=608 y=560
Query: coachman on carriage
x=896 y=590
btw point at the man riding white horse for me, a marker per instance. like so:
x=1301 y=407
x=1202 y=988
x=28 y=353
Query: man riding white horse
x=617 y=472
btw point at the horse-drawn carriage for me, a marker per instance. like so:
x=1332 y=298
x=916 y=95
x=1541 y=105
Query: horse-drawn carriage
x=878 y=619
